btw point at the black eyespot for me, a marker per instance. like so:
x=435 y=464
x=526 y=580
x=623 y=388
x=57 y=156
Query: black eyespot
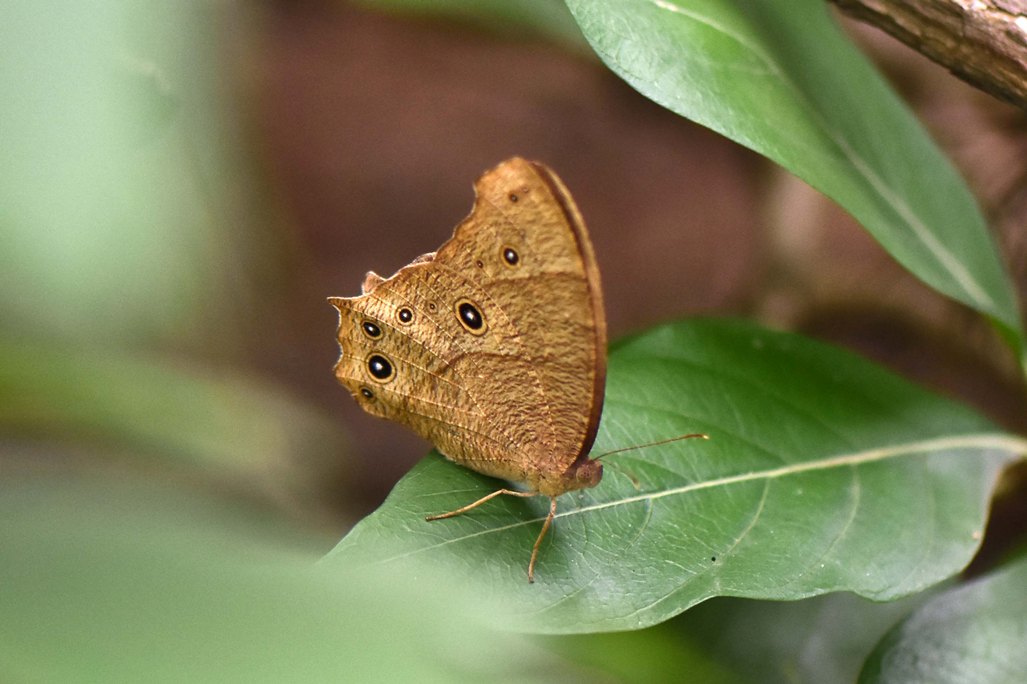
x=368 y=394
x=405 y=315
x=513 y=197
x=431 y=306
x=511 y=256
x=479 y=263
x=380 y=367
x=371 y=330
x=470 y=317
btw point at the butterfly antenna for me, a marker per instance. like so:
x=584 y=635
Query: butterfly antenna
x=652 y=444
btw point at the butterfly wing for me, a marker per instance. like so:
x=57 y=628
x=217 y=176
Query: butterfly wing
x=494 y=347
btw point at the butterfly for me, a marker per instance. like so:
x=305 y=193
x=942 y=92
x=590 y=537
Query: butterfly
x=493 y=347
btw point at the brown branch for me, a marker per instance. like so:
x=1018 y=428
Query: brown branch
x=984 y=42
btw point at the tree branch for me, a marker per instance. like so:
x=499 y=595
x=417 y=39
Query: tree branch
x=984 y=42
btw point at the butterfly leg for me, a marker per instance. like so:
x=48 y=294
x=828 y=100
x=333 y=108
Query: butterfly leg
x=512 y=492
x=538 y=542
x=488 y=497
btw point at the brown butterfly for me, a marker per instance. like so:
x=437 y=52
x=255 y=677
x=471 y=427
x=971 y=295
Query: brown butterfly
x=493 y=347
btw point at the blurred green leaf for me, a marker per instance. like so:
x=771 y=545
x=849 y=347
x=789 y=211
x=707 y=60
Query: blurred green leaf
x=658 y=655
x=822 y=473
x=227 y=424
x=128 y=581
x=973 y=633
x=144 y=89
x=118 y=181
x=781 y=79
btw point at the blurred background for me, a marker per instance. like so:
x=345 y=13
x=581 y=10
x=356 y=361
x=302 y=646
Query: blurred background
x=185 y=183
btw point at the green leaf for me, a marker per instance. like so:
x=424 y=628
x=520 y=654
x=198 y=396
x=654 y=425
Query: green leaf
x=120 y=172
x=657 y=655
x=781 y=79
x=128 y=581
x=227 y=424
x=973 y=633
x=822 y=473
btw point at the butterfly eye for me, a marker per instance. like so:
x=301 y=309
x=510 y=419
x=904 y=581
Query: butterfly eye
x=380 y=368
x=510 y=256
x=470 y=317
x=371 y=330
x=405 y=315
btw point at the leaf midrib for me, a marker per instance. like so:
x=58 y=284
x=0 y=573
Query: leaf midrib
x=1011 y=444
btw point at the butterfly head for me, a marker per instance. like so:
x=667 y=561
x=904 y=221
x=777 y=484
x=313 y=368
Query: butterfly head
x=583 y=474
